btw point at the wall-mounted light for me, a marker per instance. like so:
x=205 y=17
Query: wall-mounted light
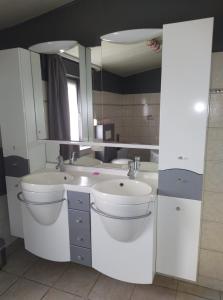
x=132 y=36
x=53 y=47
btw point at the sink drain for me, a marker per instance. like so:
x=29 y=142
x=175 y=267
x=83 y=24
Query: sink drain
x=121 y=184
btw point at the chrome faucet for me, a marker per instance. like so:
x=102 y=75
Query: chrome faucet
x=137 y=162
x=73 y=158
x=133 y=167
x=60 y=164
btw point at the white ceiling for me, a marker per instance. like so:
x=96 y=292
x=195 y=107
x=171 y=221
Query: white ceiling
x=126 y=59
x=13 y=12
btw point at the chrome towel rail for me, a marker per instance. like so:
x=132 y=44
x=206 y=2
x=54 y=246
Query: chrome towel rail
x=100 y=212
x=19 y=197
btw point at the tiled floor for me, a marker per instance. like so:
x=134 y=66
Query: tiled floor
x=26 y=277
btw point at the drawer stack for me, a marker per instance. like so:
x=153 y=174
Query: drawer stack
x=80 y=227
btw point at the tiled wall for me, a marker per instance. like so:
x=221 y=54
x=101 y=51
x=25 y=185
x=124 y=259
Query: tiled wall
x=136 y=116
x=211 y=252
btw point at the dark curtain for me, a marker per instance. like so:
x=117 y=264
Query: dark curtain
x=58 y=105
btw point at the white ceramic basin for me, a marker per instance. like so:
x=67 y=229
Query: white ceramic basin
x=124 y=206
x=123 y=191
x=45 y=181
x=43 y=195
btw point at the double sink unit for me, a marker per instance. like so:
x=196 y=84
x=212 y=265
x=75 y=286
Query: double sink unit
x=102 y=221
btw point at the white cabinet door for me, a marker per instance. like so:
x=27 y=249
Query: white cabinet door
x=13 y=128
x=178 y=229
x=186 y=61
x=14 y=206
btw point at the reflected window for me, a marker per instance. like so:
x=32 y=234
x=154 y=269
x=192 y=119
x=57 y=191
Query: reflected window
x=73 y=109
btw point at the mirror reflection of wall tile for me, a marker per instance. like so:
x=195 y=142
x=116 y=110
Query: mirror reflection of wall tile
x=127 y=88
x=136 y=116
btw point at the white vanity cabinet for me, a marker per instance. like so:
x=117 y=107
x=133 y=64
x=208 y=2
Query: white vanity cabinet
x=186 y=62
x=178 y=231
x=13 y=188
x=22 y=153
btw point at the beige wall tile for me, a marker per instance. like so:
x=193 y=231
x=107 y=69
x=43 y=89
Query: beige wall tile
x=214 y=144
x=212 y=236
x=210 y=282
x=216 y=70
x=213 y=207
x=216 y=111
x=199 y=291
x=211 y=264
x=131 y=120
x=214 y=176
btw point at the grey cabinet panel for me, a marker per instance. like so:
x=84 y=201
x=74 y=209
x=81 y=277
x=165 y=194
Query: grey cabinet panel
x=78 y=200
x=16 y=166
x=81 y=255
x=180 y=183
x=80 y=232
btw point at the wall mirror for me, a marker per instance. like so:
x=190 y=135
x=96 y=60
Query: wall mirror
x=102 y=156
x=126 y=79
x=59 y=75
x=112 y=95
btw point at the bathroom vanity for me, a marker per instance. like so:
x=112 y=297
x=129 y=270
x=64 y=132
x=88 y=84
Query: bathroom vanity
x=74 y=220
x=103 y=221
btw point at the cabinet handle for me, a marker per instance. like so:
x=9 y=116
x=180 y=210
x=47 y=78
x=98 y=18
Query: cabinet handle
x=178 y=208
x=78 y=220
x=80 y=239
x=79 y=257
x=80 y=201
x=182 y=157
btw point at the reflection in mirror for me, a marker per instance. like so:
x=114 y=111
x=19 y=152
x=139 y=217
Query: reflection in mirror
x=61 y=74
x=126 y=91
x=105 y=157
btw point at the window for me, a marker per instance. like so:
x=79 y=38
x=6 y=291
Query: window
x=73 y=109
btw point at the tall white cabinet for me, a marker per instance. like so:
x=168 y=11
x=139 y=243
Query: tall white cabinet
x=22 y=153
x=186 y=62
